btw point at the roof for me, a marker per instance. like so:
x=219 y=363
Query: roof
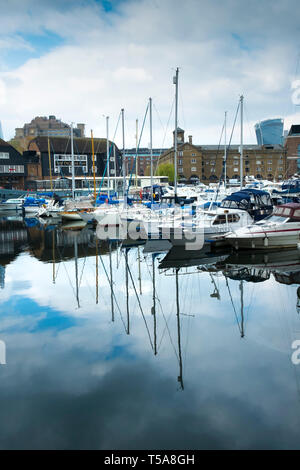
x=290 y=205
x=294 y=130
x=3 y=143
x=236 y=147
x=63 y=144
x=245 y=194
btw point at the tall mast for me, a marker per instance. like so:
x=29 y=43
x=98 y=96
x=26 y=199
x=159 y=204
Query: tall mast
x=73 y=169
x=241 y=149
x=115 y=165
x=123 y=159
x=175 y=81
x=111 y=284
x=242 y=309
x=136 y=147
x=151 y=159
x=127 y=290
x=107 y=157
x=97 y=289
x=94 y=174
x=225 y=151
x=50 y=169
x=154 y=305
x=76 y=267
x=180 y=378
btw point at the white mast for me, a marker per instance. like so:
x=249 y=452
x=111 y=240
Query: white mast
x=123 y=160
x=72 y=157
x=175 y=81
x=151 y=159
x=225 y=150
x=107 y=157
x=241 y=148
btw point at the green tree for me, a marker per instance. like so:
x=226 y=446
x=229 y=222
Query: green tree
x=166 y=169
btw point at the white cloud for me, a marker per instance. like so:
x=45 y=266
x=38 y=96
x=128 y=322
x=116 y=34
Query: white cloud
x=120 y=59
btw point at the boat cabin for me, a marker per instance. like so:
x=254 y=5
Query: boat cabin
x=286 y=212
x=256 y=202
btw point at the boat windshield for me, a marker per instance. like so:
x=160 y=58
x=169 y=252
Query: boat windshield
x=280 y=219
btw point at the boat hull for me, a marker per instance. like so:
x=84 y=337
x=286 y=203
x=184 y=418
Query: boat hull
x=263 y=242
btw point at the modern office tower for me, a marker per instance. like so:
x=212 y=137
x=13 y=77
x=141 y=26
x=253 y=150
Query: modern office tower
x=2 y=276
x=269 y=132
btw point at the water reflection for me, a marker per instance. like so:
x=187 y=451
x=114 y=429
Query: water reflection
x=144 y=346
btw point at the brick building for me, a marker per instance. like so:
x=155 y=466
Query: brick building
x=292 y=147
x=143 y=160
x=52 y=127
x=205 y=162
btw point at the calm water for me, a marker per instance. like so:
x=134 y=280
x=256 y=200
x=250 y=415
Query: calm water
x=110 y=347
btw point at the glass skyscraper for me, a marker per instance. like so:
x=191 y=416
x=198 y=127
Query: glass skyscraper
x=269 y=132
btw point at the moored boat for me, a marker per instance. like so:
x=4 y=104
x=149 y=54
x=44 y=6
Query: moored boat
x=279 y=230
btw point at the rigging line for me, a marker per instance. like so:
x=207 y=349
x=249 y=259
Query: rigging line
x=181 y=103
x=236 y=317
x=236 y=115
x=137 y=150
x=109 y=154
x=165 y=319
x=140 y=306
x=103 y=265
x=223 y=168
x=165 y=134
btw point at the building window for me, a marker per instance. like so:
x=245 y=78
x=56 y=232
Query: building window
x=212 y=170
x=193 y=154
x=193 y=160
x=193 y=168
x=180 y=154
x=269 y=168
x=258 y=162
x=235 y=169
x=180 y=161
x=4 y=155
x=270 y=162
x=12 y=169
x=180 y=170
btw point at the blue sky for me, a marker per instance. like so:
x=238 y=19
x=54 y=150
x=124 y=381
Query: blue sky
x=79 y=60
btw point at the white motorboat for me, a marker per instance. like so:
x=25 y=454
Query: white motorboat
x=279 y=230
x=207 y=226
x=12 y=204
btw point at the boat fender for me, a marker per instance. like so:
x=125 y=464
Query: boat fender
x=266 y=241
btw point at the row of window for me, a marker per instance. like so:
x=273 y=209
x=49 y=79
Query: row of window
x=4 y=155
x=68 y=157
x=11 y=168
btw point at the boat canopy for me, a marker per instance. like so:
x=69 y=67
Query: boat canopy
x=248 y=195
x=291 y=211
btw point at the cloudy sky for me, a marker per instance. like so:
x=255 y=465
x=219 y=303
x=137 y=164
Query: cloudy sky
x=83 y=59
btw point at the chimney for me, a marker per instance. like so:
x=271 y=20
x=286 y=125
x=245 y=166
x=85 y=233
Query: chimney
x=81 y=127
x=190 y=139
